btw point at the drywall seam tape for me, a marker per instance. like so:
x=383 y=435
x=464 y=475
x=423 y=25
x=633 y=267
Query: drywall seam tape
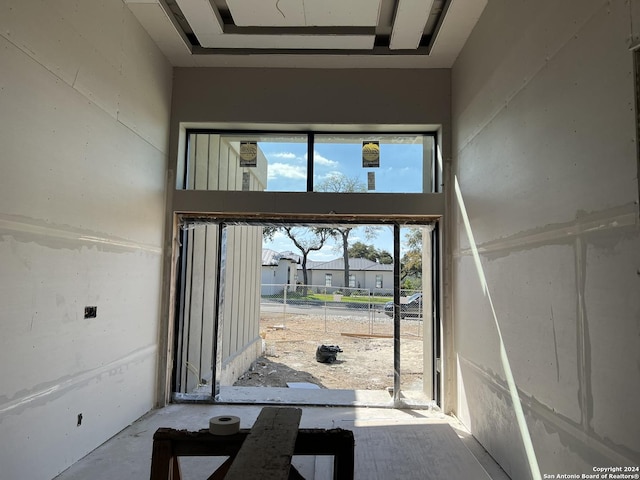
x=224 y=425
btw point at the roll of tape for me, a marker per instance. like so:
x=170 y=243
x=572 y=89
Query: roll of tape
x=224 y=425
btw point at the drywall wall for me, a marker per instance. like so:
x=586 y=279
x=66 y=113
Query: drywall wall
x=546 y=243
x=84 y=116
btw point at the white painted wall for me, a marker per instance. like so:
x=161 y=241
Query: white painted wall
x=273 y=278
x=84 y=114
x=545 y=156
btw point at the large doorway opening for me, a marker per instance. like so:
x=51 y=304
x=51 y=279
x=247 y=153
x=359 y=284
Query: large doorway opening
x=346 y=312
x=260 y=322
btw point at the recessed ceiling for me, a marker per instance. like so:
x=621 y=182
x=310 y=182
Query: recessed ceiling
x=309 y=33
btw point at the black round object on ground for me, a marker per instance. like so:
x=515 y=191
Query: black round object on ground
x=327 y=353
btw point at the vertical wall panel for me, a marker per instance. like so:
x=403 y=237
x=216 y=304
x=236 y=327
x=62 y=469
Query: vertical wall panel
x=214 y=161
x=223 y=173
x=197 y=283
x=187 y=376
x=210 y=292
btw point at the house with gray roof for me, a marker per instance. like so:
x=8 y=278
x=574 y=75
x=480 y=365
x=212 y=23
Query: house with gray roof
x=363 y=274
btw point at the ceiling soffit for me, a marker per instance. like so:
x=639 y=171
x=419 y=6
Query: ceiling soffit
x=391 y=33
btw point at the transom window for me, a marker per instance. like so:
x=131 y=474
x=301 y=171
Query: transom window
x=358 y=163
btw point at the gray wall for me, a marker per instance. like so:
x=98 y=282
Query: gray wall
x=84 y=115
x=241 y=96
x=545 y=156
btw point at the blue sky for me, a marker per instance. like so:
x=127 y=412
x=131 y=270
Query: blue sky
x=400 y=168
x=400 y=171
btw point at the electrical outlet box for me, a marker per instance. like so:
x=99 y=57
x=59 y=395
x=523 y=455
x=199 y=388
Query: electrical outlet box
x=90 y=312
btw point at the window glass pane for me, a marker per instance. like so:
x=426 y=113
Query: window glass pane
x=250 y=162
x=372 y=163
x=327 y=279
x=278 y=162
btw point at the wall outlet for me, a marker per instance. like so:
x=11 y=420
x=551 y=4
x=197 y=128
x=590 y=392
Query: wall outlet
x=90 y=312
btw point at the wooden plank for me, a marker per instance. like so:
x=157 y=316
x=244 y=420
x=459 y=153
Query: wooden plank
x=365 y=335
x=266 y=452
x=161 y=459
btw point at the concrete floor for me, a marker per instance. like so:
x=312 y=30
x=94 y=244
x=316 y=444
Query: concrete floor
x=390 y=444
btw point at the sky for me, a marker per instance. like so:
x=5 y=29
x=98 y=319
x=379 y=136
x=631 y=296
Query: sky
x=400 y=171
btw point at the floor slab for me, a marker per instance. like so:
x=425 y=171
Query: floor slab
x=390 y=444
x=312 y=397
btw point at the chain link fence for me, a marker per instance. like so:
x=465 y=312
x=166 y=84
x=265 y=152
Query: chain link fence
x=357 y=311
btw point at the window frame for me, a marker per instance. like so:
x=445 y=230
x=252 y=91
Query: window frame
x=431 y=174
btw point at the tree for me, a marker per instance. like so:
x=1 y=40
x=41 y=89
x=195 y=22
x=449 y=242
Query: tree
x=362 y=250
x=306 y=240
x=339 y=183
x=411 y=262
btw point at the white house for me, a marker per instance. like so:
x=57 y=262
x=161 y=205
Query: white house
x=278 y=269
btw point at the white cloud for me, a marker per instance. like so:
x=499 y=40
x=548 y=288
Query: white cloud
x=276 y=170
x=284 y=155
x=330 y=174
x=325 y=162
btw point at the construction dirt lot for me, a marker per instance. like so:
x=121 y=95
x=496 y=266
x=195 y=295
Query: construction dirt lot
x=365 y=363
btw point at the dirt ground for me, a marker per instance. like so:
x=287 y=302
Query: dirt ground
x=366 y=362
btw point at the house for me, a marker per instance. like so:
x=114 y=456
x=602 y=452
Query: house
x=363 y=274
x=278 y=269
x=533 y=113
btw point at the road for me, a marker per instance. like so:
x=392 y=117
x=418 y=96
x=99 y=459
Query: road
x=328 y=309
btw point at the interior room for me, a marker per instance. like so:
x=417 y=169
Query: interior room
x=530 y=186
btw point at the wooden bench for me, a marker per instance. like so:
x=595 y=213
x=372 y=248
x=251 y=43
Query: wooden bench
x=263 y=452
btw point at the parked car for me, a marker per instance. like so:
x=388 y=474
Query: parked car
x=411 y=308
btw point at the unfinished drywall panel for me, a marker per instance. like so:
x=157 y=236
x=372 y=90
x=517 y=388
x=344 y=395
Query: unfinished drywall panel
x=87 y=409
x=82 y=45
x=613 y=321
x=532 y=295
x=142 y=104
x=546 y=236
x=50 y=285
x=480 y=328
x=537 y=30
x=545 y=124
x=81 y=221
x=83 y=177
